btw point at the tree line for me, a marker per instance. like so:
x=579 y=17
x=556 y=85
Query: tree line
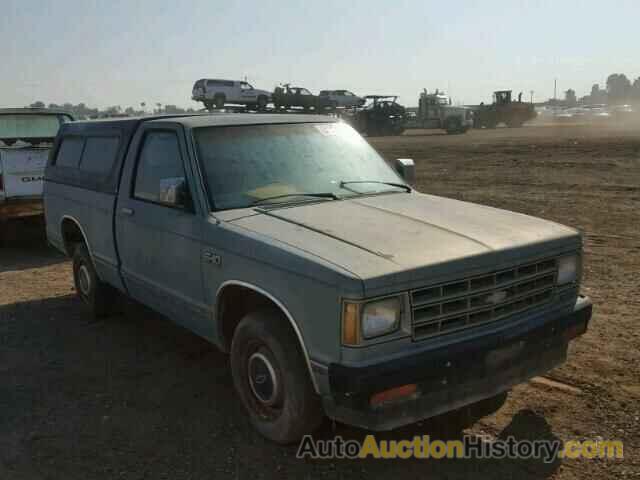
x=619 y=90
x=83 y=111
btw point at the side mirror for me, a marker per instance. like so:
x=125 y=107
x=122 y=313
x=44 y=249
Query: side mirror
x=174 y=192
x=407 y=170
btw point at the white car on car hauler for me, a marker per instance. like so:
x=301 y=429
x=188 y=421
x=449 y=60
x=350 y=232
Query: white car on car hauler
x=215 y=93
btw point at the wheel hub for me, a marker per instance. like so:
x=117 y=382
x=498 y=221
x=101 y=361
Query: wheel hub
x=263 y=379
x=84 y=280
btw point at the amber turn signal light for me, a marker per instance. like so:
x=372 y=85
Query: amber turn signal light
x=393 y=394
x=351 y=324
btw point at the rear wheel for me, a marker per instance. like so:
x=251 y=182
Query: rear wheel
x=7 y=233
x=262 y=103
x=453 y=126
x=94 y=293
x=270 y=376
x=219 y=101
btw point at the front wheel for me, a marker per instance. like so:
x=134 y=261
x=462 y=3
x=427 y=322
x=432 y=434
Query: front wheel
x=219 y=102
x=270 y=375
x=453 y=126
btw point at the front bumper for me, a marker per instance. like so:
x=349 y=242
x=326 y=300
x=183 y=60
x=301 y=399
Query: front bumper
x=18 y=208
x=453 y=376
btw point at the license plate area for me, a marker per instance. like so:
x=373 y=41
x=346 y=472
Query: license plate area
x=503 y=355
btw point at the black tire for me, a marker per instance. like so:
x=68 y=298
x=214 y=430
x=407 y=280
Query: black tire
x=218 y=101
x=278 y=395
x=99 y=297
x=11 y=233
x=4 y=234
x=262 y=103
x=453 y=126
x=208 y=106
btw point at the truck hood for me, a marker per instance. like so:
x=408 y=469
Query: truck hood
x=412 y=239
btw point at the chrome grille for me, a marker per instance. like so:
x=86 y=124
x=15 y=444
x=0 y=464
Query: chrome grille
x=454 y=306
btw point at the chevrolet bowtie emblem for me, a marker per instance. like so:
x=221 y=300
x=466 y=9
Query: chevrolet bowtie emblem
x=497 y=297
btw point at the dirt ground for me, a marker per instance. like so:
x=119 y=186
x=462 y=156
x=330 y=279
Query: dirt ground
x=136 y=397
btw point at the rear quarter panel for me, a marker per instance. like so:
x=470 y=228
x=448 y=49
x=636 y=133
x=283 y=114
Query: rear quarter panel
x=93 y=212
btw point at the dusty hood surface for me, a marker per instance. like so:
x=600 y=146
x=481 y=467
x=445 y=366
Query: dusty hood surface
x=399 y=238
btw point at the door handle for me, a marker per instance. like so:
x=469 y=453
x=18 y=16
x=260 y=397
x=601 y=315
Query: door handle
x=126 y=211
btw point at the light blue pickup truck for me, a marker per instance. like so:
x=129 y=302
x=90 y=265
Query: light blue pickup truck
x=337 y=288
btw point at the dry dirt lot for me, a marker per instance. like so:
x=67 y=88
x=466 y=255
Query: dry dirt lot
x=136 y=397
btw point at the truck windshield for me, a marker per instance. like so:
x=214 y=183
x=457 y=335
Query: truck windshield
x=243 y=164
x=28 y=126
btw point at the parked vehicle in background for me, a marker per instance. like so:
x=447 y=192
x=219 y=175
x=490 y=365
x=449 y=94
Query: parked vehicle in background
x=336 y=287
x=381 y=115
x=215 y=93
x=436 y=112
x=26 y=137
x=342 y=98
x=503 y=110
x=623 y=113
x=597 y=113
x=286 y=97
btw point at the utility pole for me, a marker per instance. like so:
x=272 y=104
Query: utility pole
x=555 y=90
x=531 y=92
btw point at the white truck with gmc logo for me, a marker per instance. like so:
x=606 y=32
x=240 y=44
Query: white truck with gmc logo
x=26 y=136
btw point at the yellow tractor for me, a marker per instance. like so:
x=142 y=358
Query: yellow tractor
x=503 y=110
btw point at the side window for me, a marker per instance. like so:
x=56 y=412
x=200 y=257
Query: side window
x=160 y=176
x=99 y=154
x=69 y=152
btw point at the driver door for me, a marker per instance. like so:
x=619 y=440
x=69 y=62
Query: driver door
x=158 y=229
x=247 y=92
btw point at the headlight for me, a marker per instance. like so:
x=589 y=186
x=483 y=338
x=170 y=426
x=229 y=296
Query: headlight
x=381 y=317
x=568 y=269
x=370 y=320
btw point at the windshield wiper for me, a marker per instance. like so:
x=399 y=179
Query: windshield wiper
x=330 y=195
x=407 y=188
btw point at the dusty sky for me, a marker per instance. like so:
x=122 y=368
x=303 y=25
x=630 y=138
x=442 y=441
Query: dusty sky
x=123 y=53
